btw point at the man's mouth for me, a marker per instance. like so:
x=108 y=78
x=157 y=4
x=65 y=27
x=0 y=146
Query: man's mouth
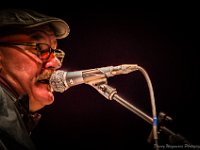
x=44 y=78
x=44 y=81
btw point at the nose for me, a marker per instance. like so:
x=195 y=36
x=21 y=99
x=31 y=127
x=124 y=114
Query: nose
x=53 y=62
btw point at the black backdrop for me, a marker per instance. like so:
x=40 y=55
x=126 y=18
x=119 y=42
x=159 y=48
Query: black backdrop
x=161 y=40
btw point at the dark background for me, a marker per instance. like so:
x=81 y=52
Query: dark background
x=161 y=39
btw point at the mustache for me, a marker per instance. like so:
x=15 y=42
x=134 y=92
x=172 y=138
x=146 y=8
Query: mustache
x=45 y=75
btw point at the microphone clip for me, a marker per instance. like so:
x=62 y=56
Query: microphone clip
x=107 y=91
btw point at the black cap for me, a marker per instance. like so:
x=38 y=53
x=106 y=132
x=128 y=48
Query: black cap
x=24 y=18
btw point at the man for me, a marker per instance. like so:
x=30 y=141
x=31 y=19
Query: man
x=28 y=57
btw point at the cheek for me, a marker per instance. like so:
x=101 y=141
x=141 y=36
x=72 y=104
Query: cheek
x=20 y=67
x=20 y=62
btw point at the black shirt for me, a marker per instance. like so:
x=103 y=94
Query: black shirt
x=16 y=122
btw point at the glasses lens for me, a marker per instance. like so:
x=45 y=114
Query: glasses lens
x=59 y=54
x=44 y=50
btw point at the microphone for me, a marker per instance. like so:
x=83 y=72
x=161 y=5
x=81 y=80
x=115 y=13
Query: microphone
x=62 y=80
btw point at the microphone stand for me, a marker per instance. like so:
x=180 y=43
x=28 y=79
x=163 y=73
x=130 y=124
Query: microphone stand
x=111 y=94
x=97 y=78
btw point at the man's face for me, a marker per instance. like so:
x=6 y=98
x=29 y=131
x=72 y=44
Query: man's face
x=24 y=72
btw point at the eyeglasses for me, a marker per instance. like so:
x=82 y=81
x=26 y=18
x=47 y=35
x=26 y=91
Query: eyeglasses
x=42 y=50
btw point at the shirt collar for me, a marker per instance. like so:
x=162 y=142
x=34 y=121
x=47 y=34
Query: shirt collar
x=30 y=119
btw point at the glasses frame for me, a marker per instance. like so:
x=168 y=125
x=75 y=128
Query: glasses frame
x=60 y=54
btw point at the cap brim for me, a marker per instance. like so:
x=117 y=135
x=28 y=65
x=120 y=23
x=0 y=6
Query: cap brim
x=60 y=27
